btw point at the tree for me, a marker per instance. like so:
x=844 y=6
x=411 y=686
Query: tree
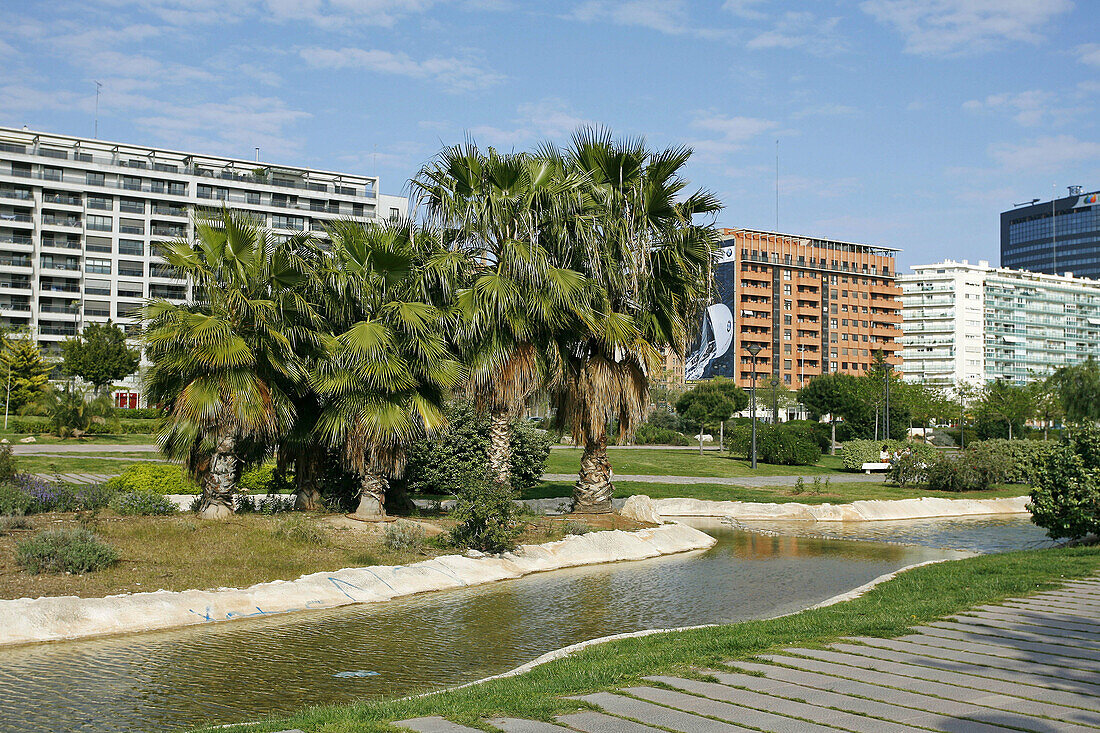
x=834 y=395
x=28 y=371
x=387 y=372
x=1006 y=402
x=1078 y=390
x=1048 y=405
x=494 y=210
x=711 y=403
x=72 y=413
x=647 y=267
x=227 y=363
x=99 y=355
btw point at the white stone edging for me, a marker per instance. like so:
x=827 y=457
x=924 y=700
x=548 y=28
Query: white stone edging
x=54 y=618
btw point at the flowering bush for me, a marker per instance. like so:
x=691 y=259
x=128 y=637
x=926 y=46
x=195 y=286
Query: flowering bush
x=143 y=503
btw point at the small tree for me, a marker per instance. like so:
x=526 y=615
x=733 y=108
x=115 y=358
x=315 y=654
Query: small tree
x=1010 y=403
x=72 y=413
x=834 y=395
x=1078 y=390
x=29 y=372
x=99 y=355
x=711 y=403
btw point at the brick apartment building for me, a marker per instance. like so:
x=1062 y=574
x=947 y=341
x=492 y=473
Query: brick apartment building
x=812 y=305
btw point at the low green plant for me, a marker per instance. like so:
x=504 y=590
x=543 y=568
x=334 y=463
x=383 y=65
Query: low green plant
x=648 y=434
x=575 y=526
x=404 y=536
x=7 y=463
x=10 y=522
x=487 y=518
x=64 y=551
x=1065 y=499
x=909 y=469
x=855 y=453
x=815 y=487
x=142 y=503
x=13 y=500
x=777 y=444
x=153 y=478
x=799 y=486
x=299 y=528
x=966 y=471
x=1020 y=460
x=268 y=505
x=264 y=480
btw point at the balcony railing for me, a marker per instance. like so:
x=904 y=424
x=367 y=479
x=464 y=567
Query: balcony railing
x=24 y=218
x=57 y=198
x=60 y=221
x=13 y=193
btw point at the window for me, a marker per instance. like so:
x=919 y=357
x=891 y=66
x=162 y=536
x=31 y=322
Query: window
x=787 y=275
x=786 y=334
x=252 y=197
x=131 y=206
x=98 y=244
x=177 y=189
x=787 y=364
x=163 y=269
x=51 y=174
x=131 y=247
x=131 y=183
x=100 y=223
x=129 y=290
x=786 y=320
x=156 y=186
x=129 y=268
x=101 y=267
x=131 y=226
x=101 y=202
x=97 y=287
x=395 y=214
x=128 y=310
x=786 y=305
x=95 y=179
x=279 y=221
x=786 y=348
x=786 y=289
x=97 y=308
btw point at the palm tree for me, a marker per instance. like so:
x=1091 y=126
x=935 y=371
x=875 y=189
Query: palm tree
x=385 y=375
x=226 y=363
x=496 y=209
x=647 y=266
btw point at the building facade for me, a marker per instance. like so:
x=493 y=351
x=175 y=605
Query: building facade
x=973 y=323
x=812 y=306
x=1055 y=237
x=80 y=218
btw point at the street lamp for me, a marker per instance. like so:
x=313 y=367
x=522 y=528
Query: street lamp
x=775 y=400
x=886 y=417
x=753 y=350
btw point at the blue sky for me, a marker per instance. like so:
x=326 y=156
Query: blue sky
x=904 y=123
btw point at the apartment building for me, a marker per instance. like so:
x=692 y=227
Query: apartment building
x=811 y=305
x=80 y=218
x=973 y=323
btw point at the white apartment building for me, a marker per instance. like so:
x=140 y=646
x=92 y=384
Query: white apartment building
x=974 y=323
x=79 y=219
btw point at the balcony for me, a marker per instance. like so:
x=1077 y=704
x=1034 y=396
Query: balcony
x=7 y=260
x=58 y=287
x=69 y=265
x=61 y=221
x=10 y=217
x=46 y=328
x=163 y=210
x=61 y=198
x=61 y=243
x=160 y=230
x=13 y=238
x=15 y=193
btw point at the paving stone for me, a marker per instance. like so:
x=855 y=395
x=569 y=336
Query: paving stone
x=520 y=725
x=1021 y=688
x=1024 y=676
x=1037 y=619
x=1003 y=651
x=887 y=675
x=650 y=714
x=1072 y=651
x=1072 y=597
x=1027 y=632
x=434 y=724
x=591 y=722
x=1078 y=614
x=815 y=710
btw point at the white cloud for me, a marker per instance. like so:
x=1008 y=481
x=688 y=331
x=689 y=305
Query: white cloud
x=232 y=127
x=734 y=129
x=830 y=109
x=1045 y=153
x=549 y=118
x=455 y=74
x=744 y=8
x=1089 y=54
x=327 y=14
x=800 y=30
x=960 y=27
x=666 y=16
x=1030 y=108
x=20 y=98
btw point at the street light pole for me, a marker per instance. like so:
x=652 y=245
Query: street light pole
x=775 y=401
x=886 y=416
x=753 y=349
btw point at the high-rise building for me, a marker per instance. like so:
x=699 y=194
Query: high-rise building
x=972 y=323
x=1056 y=237
x=811 y=305
x=79 y=219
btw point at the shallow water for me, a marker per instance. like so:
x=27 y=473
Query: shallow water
x=245 y=669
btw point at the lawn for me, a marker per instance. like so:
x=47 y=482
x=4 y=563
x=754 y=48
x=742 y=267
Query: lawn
x=181 y=552
x=712 y=464
x=916 y=597
x=81 y=462
x=837 y=492
x=106 y=440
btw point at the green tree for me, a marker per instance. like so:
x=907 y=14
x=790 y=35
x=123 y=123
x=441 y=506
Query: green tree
x=73 y=413
x=647 y=266
x=227 y=363
x=709 y=404
x=835 y=395
x=1008 y=403
x=24 y=371
x=1078 y=390
x=1048 y=404
x=99 y=355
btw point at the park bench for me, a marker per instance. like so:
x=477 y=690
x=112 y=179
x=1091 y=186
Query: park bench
x=876 y=466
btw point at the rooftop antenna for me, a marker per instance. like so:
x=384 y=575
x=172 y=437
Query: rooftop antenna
x=777 y=185
x=257 y=154
x=95 y=128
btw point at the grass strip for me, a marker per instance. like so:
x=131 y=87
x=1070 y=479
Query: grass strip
x=712 y=464
x=915 y=597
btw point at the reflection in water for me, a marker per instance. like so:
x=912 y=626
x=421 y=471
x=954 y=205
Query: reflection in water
x=245 y=669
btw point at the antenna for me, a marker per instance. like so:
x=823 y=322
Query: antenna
x=777 y=185
x=257 y=154
x=95 y=133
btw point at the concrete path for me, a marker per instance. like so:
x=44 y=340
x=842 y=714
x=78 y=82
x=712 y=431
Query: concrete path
x=746 y=481
x=1030 y=664
x=27 y=449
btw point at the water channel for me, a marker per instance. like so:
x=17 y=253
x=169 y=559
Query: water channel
x=245 y=669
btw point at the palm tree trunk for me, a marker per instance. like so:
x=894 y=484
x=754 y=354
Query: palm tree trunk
x=593 y=490
x=500 y=448
x=372 y=496
x=307 y=472
x=220 y=480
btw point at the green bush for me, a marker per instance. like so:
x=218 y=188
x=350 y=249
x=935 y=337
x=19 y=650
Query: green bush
x=909 y=469
x=7 y=463
x=26 y=424
x=64 y=551
x=300 y=528
x=1065 y=499
x=268 y=505
x=11 y=522
x=966 y=471
x=262 y=480
x=139 y=413
x=404 y=536
x=1020 y=460
x=647 y=434
x=142 y=503
x=153 y=478
x=13 y=500
x=855 y=453
x=777 y=444
x=821 y=432
x=487 y=518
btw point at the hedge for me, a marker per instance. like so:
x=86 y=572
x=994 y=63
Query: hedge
x=1019 y=460
x=153 y=478
x=39 y=425
x=855 y=453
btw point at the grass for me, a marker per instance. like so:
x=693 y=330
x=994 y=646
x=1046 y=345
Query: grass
x=79 y=462
x=916 y=597
x=839 y=491
x=127 y=439
x=712 y=464
x=181 y=552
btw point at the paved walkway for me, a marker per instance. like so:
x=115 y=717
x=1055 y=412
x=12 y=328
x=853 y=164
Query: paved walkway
x=1029 y=664
x=746 y=481
x=27 y=449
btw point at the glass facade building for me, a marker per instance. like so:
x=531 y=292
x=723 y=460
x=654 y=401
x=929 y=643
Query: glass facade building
x=1054 y=237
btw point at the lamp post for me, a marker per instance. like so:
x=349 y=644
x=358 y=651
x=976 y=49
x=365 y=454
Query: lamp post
x=753 y=350
x=886 y=415
x=775 y=400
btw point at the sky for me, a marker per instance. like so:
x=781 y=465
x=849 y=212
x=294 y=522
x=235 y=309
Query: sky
x=902 y=123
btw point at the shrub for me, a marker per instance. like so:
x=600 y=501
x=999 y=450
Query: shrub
x=487 y=518
x=299 y=528
x=268 y=505
x=530 y=449
x=7 y=463
x=1019 y=460
x=909 y=469
x=1065 y=499
x=140 y=413
x=819 y=431
x=777 y=444
x=574 y=526
x=262 y=480
x=65 y=551
x=48 y=496
x=665 y=419
x=966 y=471
x=9 y=522
x=855 y=453
x=13 y=500
x=142 y=503
x=648 y=434
x=404 y=536
x=154 y=478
